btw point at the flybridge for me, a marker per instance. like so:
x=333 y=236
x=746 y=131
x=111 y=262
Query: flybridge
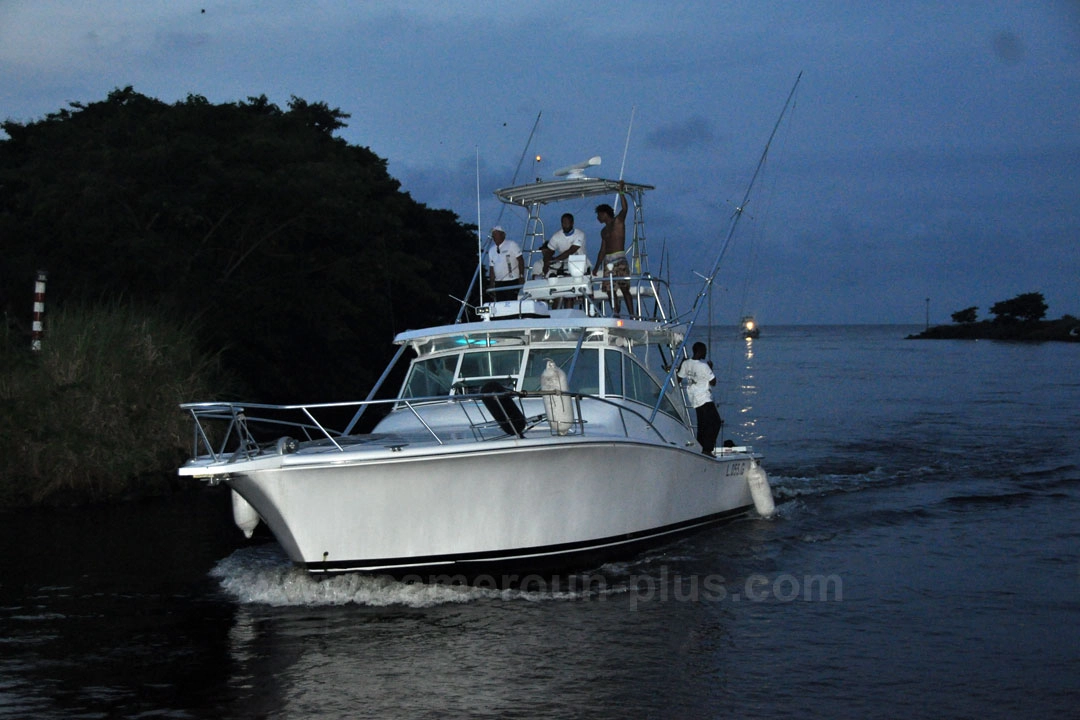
x=576 y=286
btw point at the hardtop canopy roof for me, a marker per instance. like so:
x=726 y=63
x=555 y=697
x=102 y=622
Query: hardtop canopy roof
x=543 y=192
x=551 y=329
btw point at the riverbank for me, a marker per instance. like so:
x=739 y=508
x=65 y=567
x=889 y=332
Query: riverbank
x=1065 y=329
x=93 y=415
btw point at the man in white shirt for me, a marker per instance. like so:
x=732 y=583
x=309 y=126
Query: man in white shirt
x=506 y=266
x=700 y=379
x=566 y=242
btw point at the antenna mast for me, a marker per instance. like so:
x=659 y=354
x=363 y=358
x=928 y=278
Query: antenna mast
x=479 y=231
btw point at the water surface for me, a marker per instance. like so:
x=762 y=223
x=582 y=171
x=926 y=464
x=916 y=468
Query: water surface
x=925 y=562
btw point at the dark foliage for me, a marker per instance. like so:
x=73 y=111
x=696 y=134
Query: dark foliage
x=297 y=252
x=1029 y=308
x=967 y=315
x=1065 y=329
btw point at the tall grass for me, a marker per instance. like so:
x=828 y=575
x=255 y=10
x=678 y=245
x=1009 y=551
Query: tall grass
x=93 y=415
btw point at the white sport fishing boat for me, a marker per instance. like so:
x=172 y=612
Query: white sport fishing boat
x=523 y=439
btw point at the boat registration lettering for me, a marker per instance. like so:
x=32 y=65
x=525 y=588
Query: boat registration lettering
x=736 y=468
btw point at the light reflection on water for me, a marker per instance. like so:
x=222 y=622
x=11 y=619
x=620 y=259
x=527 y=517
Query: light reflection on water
x=748 y=390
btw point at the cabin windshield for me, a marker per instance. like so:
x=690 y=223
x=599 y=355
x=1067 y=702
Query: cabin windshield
x=585 y=378
x=478 y=368
x=431 y=377
x=467 y=372
x=461 y=373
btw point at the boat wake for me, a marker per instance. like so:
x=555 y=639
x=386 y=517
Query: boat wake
x=796 y=483
x=263 y=575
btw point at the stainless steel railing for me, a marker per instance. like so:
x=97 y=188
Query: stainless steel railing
x=238 y=440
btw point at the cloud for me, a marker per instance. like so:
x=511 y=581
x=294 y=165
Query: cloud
x=695 y=132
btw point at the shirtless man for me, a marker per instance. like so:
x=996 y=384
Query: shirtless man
x=613 y=250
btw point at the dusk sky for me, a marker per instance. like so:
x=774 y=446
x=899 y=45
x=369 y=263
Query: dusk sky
x=933 y=150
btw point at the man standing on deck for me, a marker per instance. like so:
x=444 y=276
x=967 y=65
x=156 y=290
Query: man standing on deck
x=700 y=379
x=612 y=257
x=506 y=266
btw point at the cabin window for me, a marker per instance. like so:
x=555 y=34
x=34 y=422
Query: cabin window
x=586 y=377
x=431 y=378
x=613 y=375
x=625 y=377
x=478 y=368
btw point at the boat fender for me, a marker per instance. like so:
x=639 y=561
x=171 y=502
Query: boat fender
x=503 y=409
x=244 y=515
x=760 y=491
x=559 y=409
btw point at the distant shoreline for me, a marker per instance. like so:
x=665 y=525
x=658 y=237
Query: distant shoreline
x=1067 y=329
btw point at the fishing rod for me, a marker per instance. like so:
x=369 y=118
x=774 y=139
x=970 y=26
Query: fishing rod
x=741 y=208
x=525 y=150
x=711 y=277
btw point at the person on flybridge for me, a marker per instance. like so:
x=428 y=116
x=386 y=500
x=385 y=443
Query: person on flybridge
x=560 y=246
x=506 y=266
x=611 y=261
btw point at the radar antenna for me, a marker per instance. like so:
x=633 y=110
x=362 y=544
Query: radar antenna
x=577 y=172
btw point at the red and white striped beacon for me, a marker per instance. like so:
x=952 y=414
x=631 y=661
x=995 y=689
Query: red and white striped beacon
x=39 y=311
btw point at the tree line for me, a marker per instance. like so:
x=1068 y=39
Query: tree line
x=290 y=252
x=1018 y=318
x=1027 y=307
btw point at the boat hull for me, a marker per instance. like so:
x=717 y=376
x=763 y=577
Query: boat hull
x=525 y=507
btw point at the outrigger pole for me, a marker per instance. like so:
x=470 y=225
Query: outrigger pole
x=707 y=286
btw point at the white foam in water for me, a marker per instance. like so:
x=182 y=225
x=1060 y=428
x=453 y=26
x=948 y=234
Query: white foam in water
x=264 y=576
x=788 y=487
